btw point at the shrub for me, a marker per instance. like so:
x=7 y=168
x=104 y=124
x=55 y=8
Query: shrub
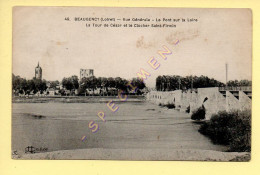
x=199 y=114
x=230 y=128
x=170 y=105
x=187 y=109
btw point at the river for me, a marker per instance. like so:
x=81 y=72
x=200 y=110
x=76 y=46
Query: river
x=136 y=125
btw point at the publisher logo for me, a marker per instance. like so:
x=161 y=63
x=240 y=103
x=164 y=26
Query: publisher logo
x=32 y=150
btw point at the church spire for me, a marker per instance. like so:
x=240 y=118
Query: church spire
x=38 y=71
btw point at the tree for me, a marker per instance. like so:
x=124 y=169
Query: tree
x=19 y=84
x=93 y=83
x=70 y=83
x=67 y=83
x=88 y=83
x=199 y=114
x=245 y=83
x=158 y=83
x=233 y=83
x=16 y=81
x=54 y=84
x=105 y=83
x=111 y=82
x=75 y=81
x=137 y=82
x=40 y=85
x=31 y=86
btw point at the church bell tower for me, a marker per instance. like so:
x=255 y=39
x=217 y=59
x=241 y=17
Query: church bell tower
x=38 y=72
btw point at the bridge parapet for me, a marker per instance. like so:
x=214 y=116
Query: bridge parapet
x=240 y=88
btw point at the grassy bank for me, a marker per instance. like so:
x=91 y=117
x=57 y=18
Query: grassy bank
x=230 y=128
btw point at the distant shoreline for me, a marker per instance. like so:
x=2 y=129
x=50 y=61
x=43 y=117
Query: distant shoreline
x=75 y=99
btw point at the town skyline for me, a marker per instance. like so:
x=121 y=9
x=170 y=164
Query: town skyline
x=78 y=75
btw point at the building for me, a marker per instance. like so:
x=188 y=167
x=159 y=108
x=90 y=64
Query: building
x=51 y=92
x=38 y=72
x=86 y=73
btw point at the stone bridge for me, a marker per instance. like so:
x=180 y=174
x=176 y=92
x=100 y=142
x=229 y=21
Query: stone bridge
x=214 y=99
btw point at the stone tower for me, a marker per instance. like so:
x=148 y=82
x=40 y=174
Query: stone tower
x=86 y=73
x=38 y=72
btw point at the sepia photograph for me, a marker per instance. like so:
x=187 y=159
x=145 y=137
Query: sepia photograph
x=125 y=83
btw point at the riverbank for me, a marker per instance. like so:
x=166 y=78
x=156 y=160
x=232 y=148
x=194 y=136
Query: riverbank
x=139 y=154
x=75 y=99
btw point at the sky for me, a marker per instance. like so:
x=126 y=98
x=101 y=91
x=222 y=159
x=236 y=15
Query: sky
x=220 y=36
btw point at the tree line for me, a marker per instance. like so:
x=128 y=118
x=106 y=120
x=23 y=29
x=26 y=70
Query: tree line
x=72 y=83
x=174 y=82
x=236 y=83
x=23 y=86
x=104 y=84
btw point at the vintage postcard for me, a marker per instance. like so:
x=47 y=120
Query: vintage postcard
x=111 y=83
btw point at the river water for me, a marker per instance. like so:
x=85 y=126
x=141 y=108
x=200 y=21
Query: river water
x=60 y=126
